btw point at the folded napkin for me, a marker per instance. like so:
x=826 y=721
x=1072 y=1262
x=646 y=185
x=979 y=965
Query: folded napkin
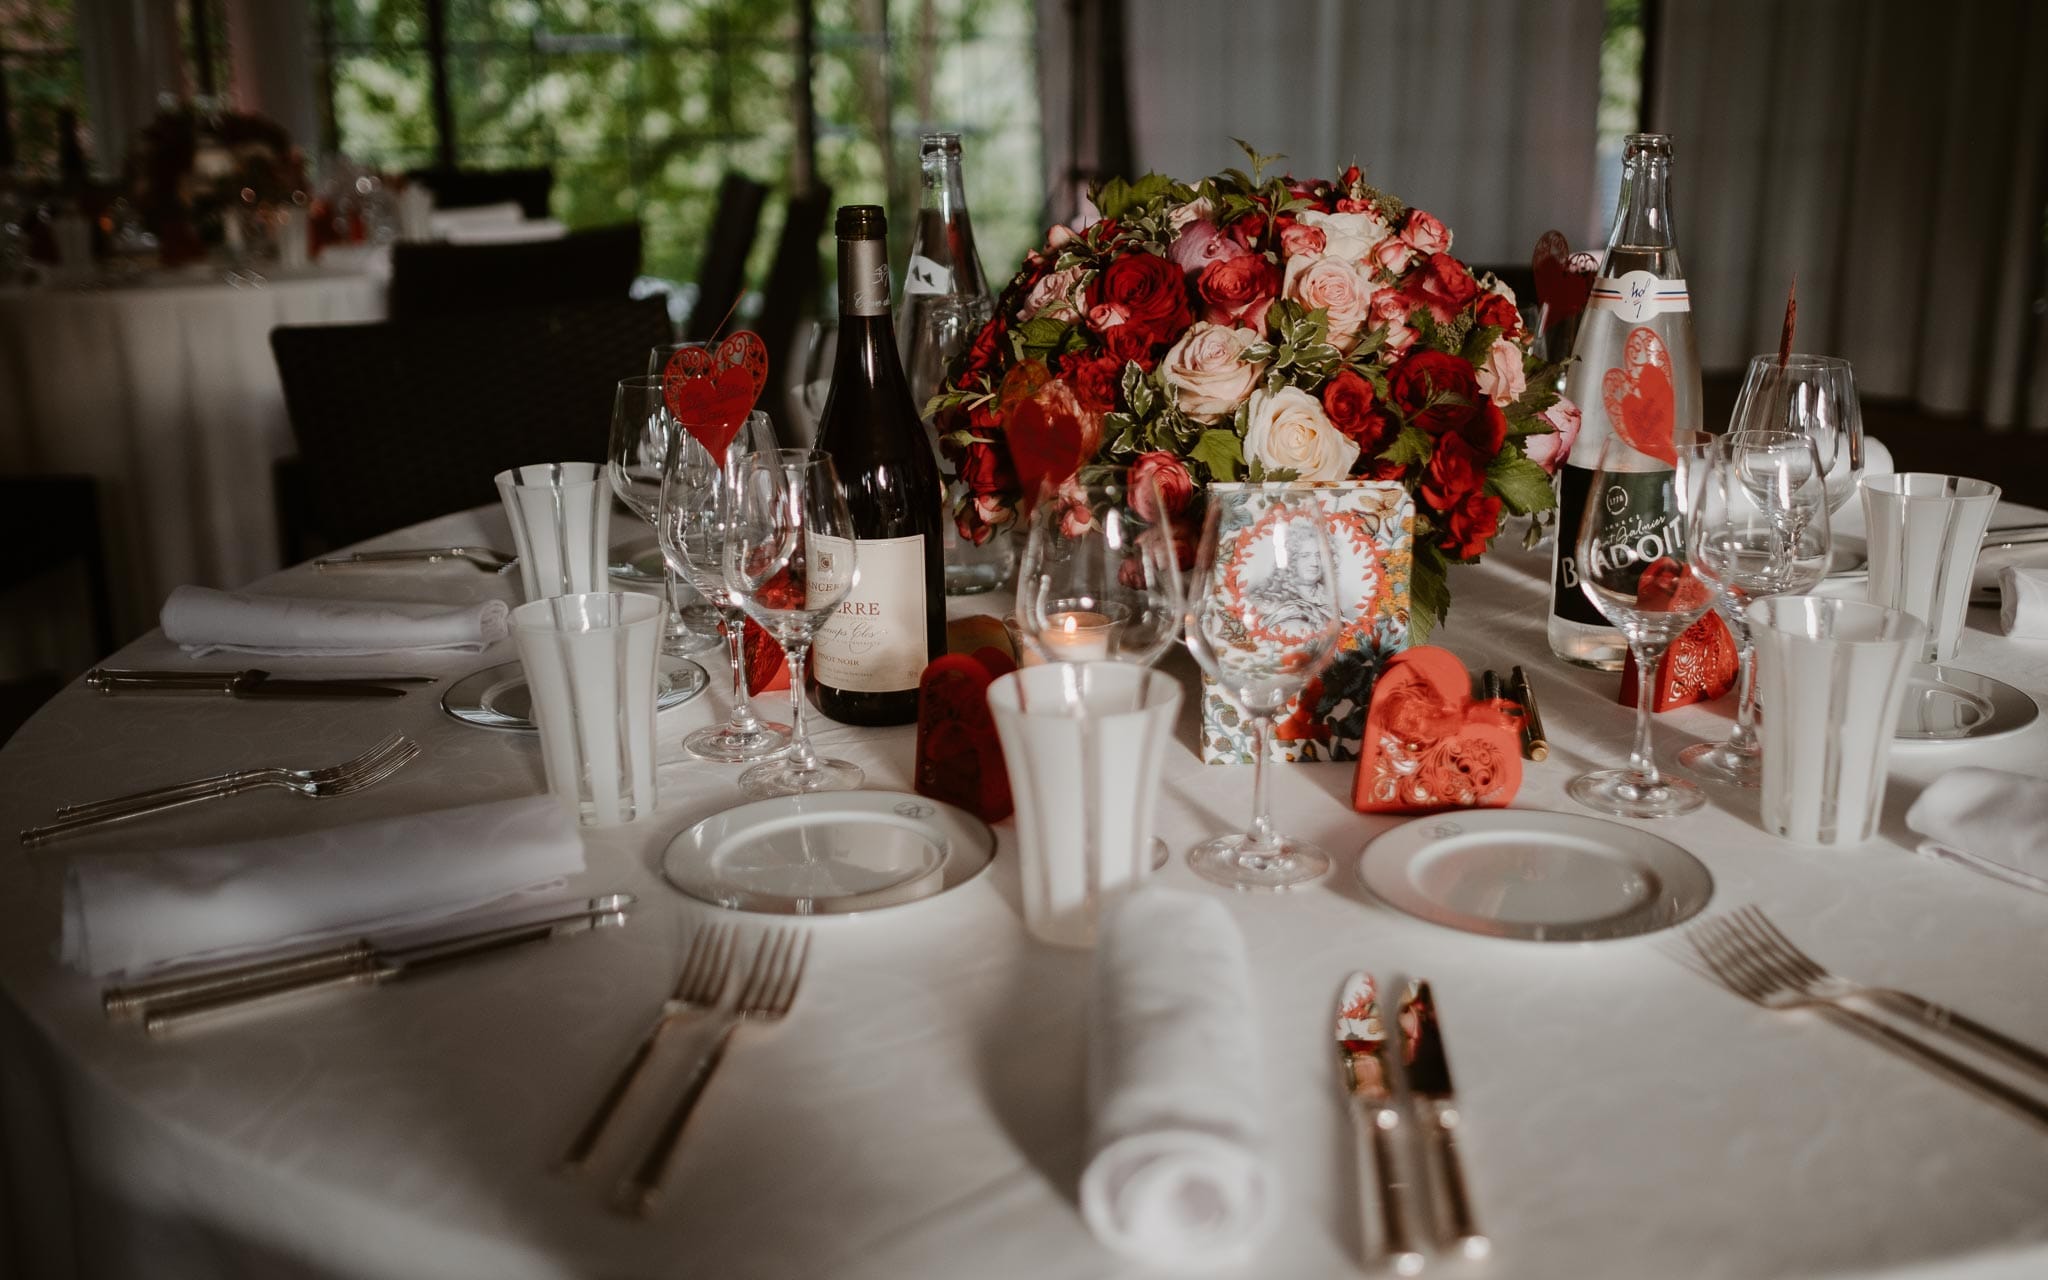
x=2023 y=602
x=125 y=913
x=1988 y=819
x=202 y=620
x=1177 y=1177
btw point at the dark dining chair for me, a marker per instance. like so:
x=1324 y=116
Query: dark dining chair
x=472 y=188
x=50 y=524
x=792 y=290
x=722 y=273
x=404 y=420
x=458 y=279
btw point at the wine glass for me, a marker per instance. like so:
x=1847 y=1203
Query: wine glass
x=1261 y=618
x=1633 y=566
x=697 y=616
x=643 y=432
x=1100 y=579
x=1759 y=529
x=691 y=524
x=1814 y=396
x=789 y=560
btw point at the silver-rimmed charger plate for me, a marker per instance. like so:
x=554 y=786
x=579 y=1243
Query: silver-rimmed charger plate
x=638 y=562
x=497 y=698
x=834 y=853
x=1948 y=704
x=1535 y=876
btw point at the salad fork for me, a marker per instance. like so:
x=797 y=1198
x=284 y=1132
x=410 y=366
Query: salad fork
x=365 y=770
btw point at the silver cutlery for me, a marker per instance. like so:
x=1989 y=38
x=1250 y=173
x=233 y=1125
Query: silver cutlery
x=1429 y=1080
x=1740 y=955
x=2021 y=535
x=769 y=991
x=483 y=558
x=699 y=988
x=173 y=1003
x=247 y=684
x=1361 y=1045
x=363 y=771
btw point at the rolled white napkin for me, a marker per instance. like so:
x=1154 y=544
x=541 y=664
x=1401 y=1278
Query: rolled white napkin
x=128 y=912
x=202 y=620
x=1177 y=1177
x=1994 y=821
x=1877 y=461
x=2023 y=602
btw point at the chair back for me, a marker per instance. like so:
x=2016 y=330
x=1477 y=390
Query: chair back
x=472 y=188
x=792 y=290
x=457 y=279
x=723 y=272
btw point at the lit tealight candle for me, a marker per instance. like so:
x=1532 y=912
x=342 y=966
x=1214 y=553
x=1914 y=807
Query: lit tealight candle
x=1074 y=636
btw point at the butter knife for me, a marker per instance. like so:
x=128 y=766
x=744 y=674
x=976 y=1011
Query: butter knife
x=237 y=684
x=1361 y=1034
x=1429 y=1080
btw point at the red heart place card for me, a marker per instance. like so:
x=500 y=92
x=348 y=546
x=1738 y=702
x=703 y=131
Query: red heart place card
x=1430 y=745
x=1700 y=665
x=959 y=757
x=767 y=664
x=711 y=390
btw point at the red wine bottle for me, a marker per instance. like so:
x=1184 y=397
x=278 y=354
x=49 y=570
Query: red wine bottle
x=870 y=653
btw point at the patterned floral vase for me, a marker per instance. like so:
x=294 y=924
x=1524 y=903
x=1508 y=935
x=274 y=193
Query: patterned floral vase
x=1372 y=534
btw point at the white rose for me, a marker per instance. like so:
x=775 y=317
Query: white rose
x=1339 y=287
x=1206 y=370
x=1288 y=429
x=1348 y=235
x=1182 y=214
x=1500 y=378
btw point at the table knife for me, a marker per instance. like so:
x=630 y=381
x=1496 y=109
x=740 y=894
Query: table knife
x=1361 y=1035
x=241 y=684
x=1429 y=1080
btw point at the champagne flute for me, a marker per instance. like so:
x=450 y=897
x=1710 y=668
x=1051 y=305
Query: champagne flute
x=1760 y=529
x=1633 y=567
x=691 y=523
x=1814 y=396
x=1261 y=618
x=789 y=560
x=643 y=432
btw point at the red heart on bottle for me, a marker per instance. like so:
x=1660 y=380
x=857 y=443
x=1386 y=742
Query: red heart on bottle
x=711 y=390
x=1559 y=289
x=1430 y=745
x=1638 y=395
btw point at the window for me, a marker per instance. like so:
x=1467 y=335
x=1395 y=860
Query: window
x=39 y=77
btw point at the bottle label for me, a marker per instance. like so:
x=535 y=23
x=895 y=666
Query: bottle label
x=875 y=641
x=1636 y=528
x=1638 y=295
x=926 y=276
x=863 y=278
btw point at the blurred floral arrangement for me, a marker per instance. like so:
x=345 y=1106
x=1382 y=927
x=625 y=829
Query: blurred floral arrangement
x=1245 y=328
x=195 y=164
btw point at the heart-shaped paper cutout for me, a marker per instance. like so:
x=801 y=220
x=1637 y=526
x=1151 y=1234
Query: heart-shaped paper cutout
x=711 y=390
x=1430 y=745
x=1561 y=291
x=1701 y=664
x=1638 y=396
x=959 y=755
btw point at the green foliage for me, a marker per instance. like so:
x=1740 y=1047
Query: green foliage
x=1221 y=451
x=1137 y=389
x=1429 y=590
x=1411 y=448
x=1116 y=198
x=1520 y=483
x=1303 y=355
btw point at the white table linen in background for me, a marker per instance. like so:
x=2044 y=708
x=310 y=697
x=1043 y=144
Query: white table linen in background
x=921 y=1113
x=1988 y=816
x=201 y=620
x=168 y=394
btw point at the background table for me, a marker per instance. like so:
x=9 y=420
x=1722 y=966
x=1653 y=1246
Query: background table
x=166 y=392
x=921 y=1114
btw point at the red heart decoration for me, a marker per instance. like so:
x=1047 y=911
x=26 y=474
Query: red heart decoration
x=959 y=756
x=712 y=390
x=1430 y=745
x=767 y=665
x=1701 y=664
x=1561 y=291
x=1638 y=396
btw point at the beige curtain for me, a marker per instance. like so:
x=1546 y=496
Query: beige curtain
x=129 y=54
x=271 y=45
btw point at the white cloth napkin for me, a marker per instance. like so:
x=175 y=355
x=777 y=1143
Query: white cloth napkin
x=1177 y=1176
x=202 y=620
x=128 y=912
x=1993 y=821
x=2023 y=602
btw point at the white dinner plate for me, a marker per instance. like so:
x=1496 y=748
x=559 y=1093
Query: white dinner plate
x=638 y=562
x=1948 y=704
x=1849 y=558
x=834 y=853
x=497 y=697
x=1535 y=876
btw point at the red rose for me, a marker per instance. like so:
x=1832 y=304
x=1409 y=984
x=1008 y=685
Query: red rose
x=1247 y=230
x=1348 y=399
x=988 y=347
x=1486 y=430
x=1468 y=529
x=1456 y=471
x=1164 y=476
x=1239 y=291
x=1449 y=381
x=1148 y=291
x=984 y=468
x=1497 y=310
x=1384 y=469
x=1298 y=239
x=1128 y=342
x=1095 y=381
x=1441 y=283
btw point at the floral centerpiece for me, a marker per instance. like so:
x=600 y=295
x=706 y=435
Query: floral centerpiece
x=1247 y=328
x=193 y=167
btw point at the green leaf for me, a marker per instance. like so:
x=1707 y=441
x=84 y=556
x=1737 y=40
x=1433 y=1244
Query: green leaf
x=1479 y=343
x=1137 y=391
x=1043 y=333
x=1429 y=592
x=1221 y=451
x=1412 y=447
x=1520 y=483
x=1258 y=159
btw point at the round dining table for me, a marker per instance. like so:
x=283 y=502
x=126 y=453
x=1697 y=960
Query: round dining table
x=922 y=1110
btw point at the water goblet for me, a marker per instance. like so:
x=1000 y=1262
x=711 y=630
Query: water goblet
x=643 y=433
x=1814 y=396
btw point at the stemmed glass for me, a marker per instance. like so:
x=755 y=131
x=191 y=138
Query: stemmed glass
x=643 y=432
x=691 y=523
x=1633 y=566
x=1262 y=620
x=1814 y=396
x=789 y=560
x=1760 y=529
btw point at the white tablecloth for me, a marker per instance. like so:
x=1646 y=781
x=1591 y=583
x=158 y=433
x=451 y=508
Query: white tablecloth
x=167 y=392
x=920 y=1114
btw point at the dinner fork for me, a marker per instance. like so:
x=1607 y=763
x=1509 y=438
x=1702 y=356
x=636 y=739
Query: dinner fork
x=483 y=558
x=365 y=770
x=699 y=988
x=1733 y=960
x=769 y=991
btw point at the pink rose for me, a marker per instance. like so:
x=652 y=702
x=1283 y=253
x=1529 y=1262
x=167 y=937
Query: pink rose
x=1181 y=215
x=1059 y=237
x=1207 y=371
x=1500 y=378
x=1201 y=244
x=1163 y=477
x=1107 y=315
x=1389 y=308
x=1391 y=255
x=1299 y=240
x=1548 y=450
x=1425 y=234
x=1336 y=286
x=1056 y=295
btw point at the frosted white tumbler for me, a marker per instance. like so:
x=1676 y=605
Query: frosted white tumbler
x=1924 y=532
x=590 y=666
x=561 y=516
x=1830 y=677
x=1084 y=744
